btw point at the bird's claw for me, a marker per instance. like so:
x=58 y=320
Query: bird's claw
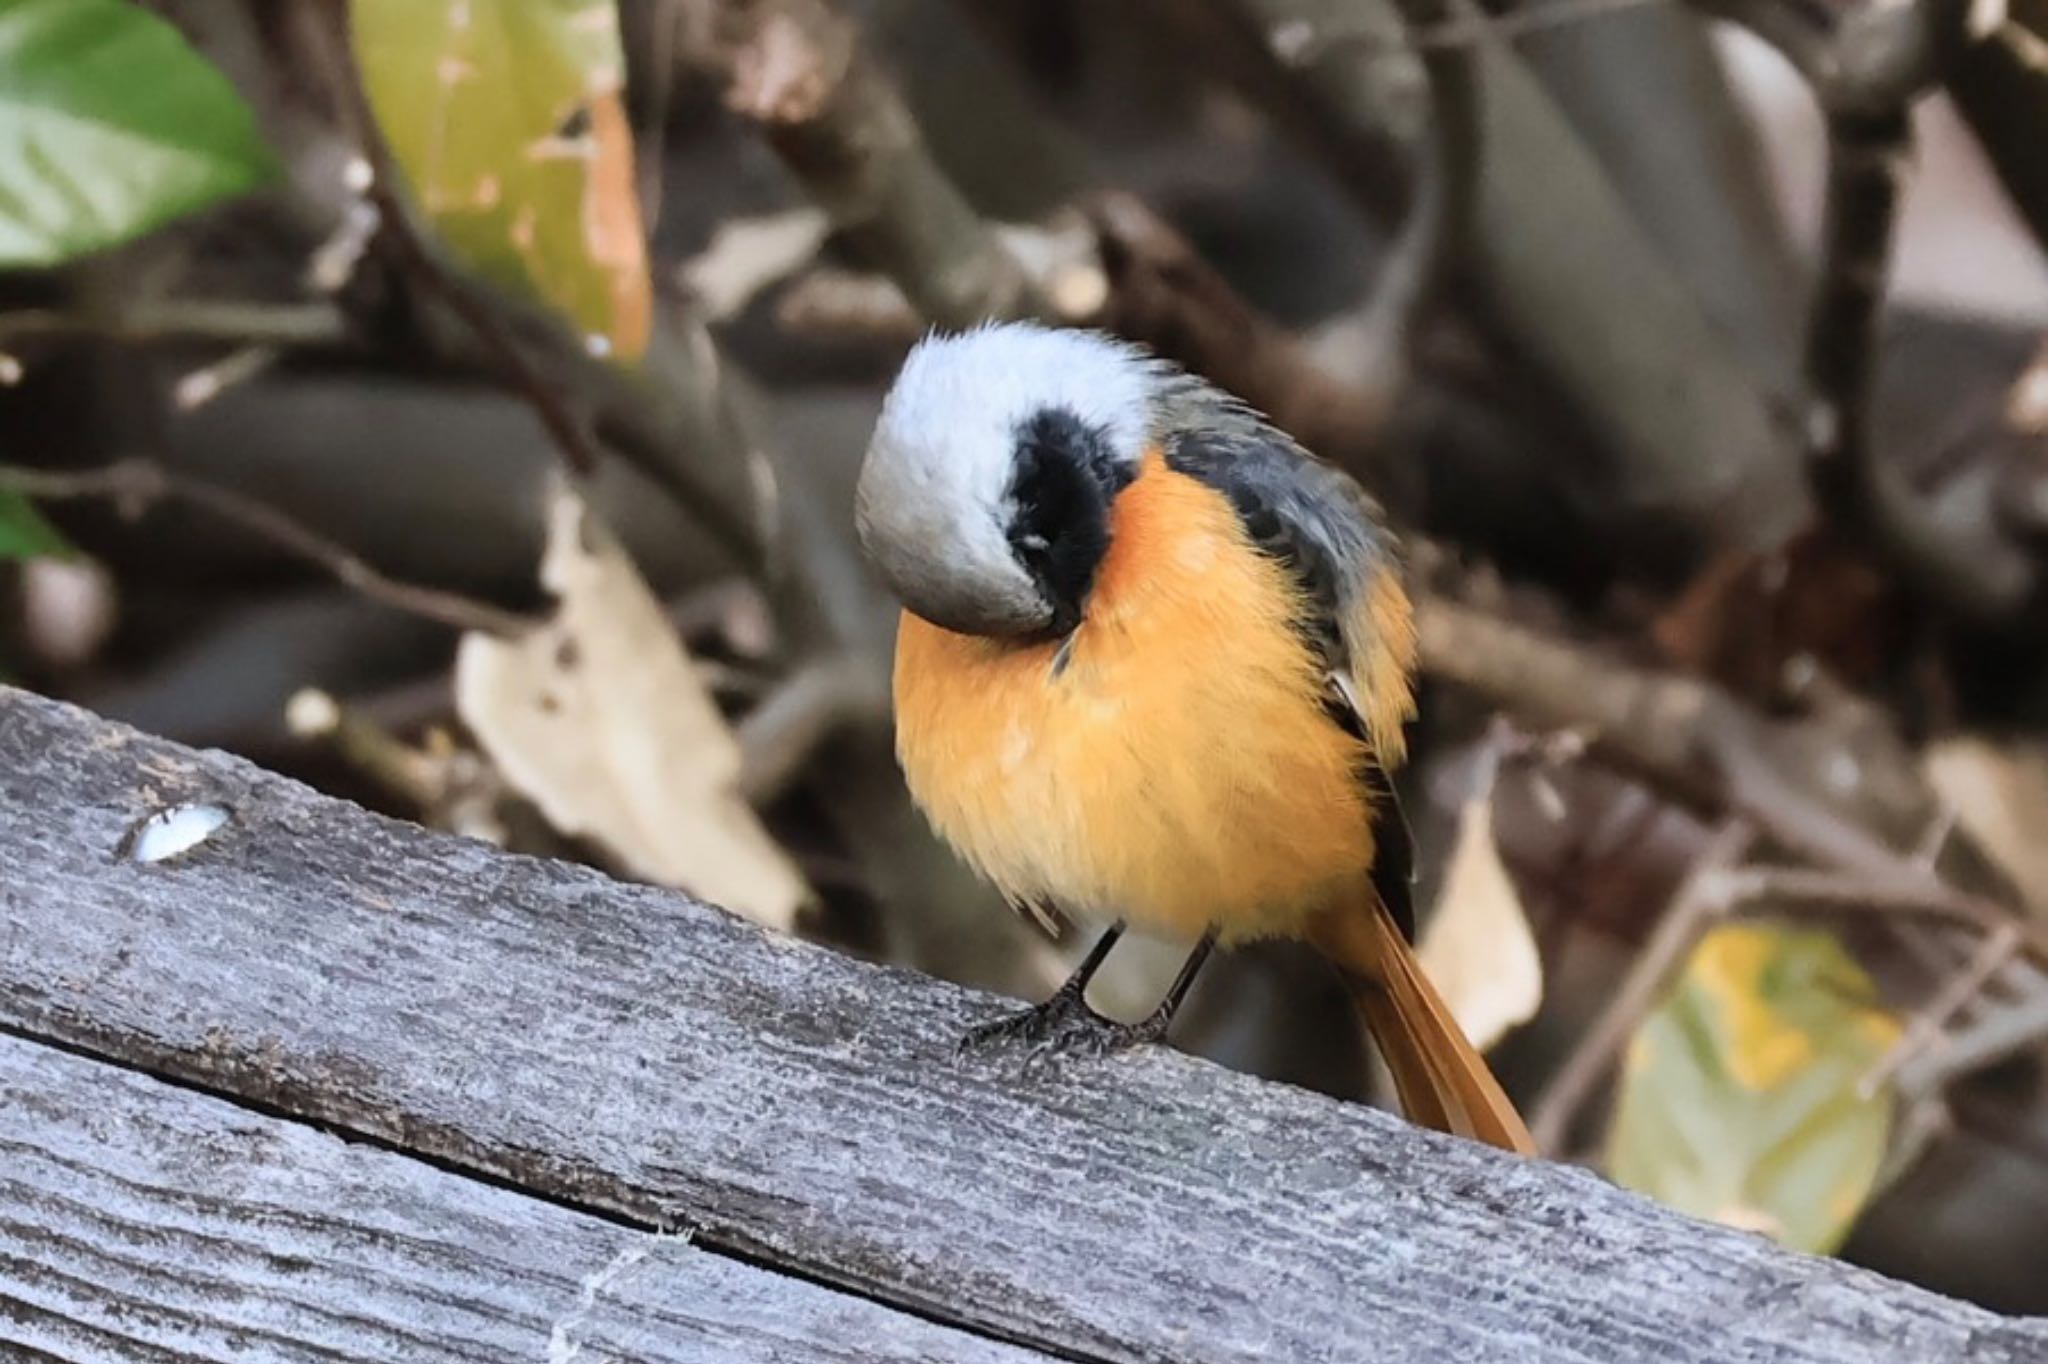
x=1093 y=1040
x=1030 y=1027
x=1063 y=1027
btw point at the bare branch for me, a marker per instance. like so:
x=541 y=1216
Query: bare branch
x=1162 y=292
x=194 y=319
x=1446 y=175
x=1692 y=739
x=1999 y=1036
x=1927 y=1023
x=1790 y=889
x=137 y=485
x=1866 y=69
x=1697 y=743
x=1700 y=900
x=1689 y=452
x=798 y=71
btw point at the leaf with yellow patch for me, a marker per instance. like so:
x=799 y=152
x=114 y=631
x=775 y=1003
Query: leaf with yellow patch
x=507 y=120
x=1740 y=1096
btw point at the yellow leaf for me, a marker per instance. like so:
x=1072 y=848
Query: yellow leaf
x=601 y=719
x=506 y=117
x=1763 y=1046
x=1740 y=1096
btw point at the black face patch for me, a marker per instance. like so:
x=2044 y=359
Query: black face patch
x=1066 y=476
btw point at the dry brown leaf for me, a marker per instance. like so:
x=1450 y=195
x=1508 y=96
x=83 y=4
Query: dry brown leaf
x=2000 y=795
x=603 y=721
x=1478 y=949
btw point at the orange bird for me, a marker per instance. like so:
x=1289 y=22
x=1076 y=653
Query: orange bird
x=1153 y=669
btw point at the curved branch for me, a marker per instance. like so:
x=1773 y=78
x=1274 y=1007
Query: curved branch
x=136 y=485
x=1423 y=255
x=799 y=72
x=1866 y=69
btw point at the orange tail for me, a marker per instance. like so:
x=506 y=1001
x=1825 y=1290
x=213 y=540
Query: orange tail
x=1443 y=1081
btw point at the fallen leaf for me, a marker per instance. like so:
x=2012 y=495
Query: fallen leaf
x=1477 y=948
x=1740 y=1096
x=2000 y=795
x=605 y=723
x=506 y=118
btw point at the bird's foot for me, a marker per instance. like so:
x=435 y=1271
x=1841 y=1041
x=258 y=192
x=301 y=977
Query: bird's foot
x=1031 y=1027
x=1097 y=1037
x=1061 y=1028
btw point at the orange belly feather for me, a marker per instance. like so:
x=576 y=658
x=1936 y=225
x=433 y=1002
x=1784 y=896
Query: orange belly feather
x=1179 y=769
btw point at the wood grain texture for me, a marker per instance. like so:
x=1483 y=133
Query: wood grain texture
x=143 y=1222
x=626 y=1049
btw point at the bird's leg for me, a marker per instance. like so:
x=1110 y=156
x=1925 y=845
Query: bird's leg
x=1106 y=1035
x=1067 y=1004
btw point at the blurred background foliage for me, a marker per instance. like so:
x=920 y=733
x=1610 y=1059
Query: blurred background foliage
x=456 y=403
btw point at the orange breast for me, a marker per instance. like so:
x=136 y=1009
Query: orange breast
x=1179 y=769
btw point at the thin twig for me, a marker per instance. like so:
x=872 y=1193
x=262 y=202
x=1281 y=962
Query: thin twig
x=666 y=22
x=1995 y=1038
x=1927 y=1023
x=1698 y=902
x=1697 y=742
x=452 y=788
x=1926 y=1121
x=196 y=388
x=190 y=319
x=137 y=485
x=1163 y=293
x=1801 y=888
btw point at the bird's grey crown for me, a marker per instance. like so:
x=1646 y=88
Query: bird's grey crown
x=935 y=499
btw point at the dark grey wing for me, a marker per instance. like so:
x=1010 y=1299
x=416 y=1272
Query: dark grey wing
x=1393 y=862
x=1309 y=515
x=1321 y=525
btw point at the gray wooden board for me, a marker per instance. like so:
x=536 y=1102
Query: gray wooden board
x=626 y=1049
x=142 y=1222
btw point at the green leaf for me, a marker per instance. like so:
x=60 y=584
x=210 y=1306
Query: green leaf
x=1739 y=1099
x=507 y=119
x=110 y=125
x=24 y=534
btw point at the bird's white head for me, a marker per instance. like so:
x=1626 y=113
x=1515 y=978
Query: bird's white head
x=985 y=495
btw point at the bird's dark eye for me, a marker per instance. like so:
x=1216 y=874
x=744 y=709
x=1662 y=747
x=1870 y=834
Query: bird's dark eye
x=1066 y=475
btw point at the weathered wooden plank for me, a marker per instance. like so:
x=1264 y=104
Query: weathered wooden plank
x=142 y=1222
x=629 y=1050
